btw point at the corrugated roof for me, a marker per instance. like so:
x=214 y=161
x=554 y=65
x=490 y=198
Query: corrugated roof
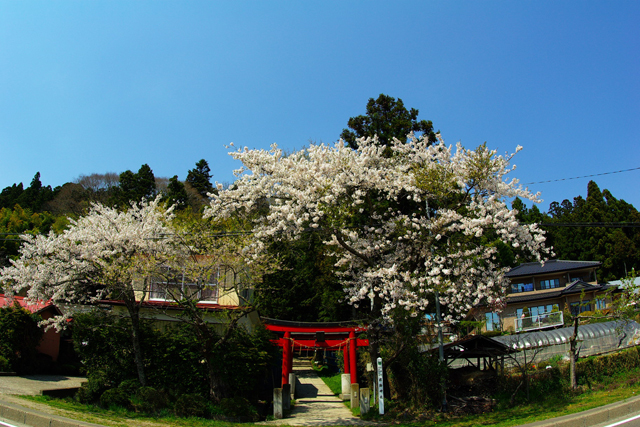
x=551 y=266
x=561 y=336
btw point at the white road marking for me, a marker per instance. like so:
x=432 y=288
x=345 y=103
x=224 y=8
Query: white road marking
x=623 y=421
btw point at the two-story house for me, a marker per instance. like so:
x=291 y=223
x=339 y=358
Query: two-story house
x=158 y=297
x=539 y=294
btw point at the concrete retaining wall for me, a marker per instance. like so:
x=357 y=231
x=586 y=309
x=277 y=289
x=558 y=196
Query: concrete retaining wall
x=35 y=418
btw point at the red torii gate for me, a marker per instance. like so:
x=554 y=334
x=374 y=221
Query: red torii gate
x=327 y=335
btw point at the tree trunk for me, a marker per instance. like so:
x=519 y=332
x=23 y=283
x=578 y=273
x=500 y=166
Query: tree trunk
x=216 y=387
x=134 y=315
x=573 y=354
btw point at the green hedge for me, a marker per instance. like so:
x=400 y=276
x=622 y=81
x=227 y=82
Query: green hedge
x=19 y=337
x=596 y=368
x=173 y=360
x=545 y=383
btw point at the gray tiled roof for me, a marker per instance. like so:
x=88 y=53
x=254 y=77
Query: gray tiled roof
x=573 y=288
x=551 y=266
x=533 y=297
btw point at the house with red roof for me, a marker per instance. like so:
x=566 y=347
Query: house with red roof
x=50 y=342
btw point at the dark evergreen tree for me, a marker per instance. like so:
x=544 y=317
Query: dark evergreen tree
x=136 y=186
x=387 y=118
x=9 y=196
x=33 y=197
x=200 y=178
x=176 y=193
x=306 y=287
x=146 y=182
x=618 y=248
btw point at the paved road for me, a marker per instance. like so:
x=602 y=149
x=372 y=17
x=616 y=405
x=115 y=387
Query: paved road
x=9 y=423
x=36 y=384
x=629 y=421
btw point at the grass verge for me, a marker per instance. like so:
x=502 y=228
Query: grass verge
x=121 y=417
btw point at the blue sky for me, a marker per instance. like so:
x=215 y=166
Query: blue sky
x=105 y=86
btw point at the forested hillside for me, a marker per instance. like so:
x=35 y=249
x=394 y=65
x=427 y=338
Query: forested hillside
x=598 y=228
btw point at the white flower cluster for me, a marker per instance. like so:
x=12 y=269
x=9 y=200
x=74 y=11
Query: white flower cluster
x=403 y=226
x=100 y=253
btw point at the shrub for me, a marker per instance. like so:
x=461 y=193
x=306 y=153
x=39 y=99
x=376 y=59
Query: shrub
x=172 y=357
x=190 y=405
x=148 y=399
x=238 y=407
x=598 y=367
x=98 y=382
x=83 y=395
x=103 y=344
x=114 y=397
x=417 y=378
x=19 y=337
x=130 y=386
x=5 y=366
x=244 y=361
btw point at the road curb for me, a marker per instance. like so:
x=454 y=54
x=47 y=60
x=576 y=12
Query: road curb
x=592 y=417
x=35 y=418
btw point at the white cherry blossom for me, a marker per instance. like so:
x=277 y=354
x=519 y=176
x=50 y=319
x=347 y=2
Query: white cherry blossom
x=403 y=227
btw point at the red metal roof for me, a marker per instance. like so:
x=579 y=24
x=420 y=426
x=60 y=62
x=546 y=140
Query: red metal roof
x=39 y=306
x=171 y=305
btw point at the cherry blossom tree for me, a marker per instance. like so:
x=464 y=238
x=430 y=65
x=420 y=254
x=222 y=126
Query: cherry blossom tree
x=107 y=253
x=403 y=226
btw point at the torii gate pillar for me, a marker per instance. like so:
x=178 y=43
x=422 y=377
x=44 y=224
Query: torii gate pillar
x=287 y=357
x=345 y=358
x=352 y=357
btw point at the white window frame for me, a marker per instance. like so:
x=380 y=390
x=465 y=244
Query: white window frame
x=158 y=289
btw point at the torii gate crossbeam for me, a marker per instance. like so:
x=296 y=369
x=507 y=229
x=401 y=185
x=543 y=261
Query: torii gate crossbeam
x=339 y=336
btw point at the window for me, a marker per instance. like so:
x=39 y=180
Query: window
x=601 y=303
x=537 y=317
x=550 y=284
x=580 y=307
x=521 y=287
x=493 y=321
x=171 y=286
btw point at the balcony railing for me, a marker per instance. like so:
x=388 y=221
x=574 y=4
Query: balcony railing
x=540 y=321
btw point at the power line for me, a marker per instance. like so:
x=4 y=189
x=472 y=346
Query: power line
x=585 y=176
x=592 y=224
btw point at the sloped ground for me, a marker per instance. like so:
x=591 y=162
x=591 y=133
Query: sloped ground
x=315 y=404
x=36 y=384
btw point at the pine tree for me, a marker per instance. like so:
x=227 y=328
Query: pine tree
x=177 y=194
x=200 y=178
